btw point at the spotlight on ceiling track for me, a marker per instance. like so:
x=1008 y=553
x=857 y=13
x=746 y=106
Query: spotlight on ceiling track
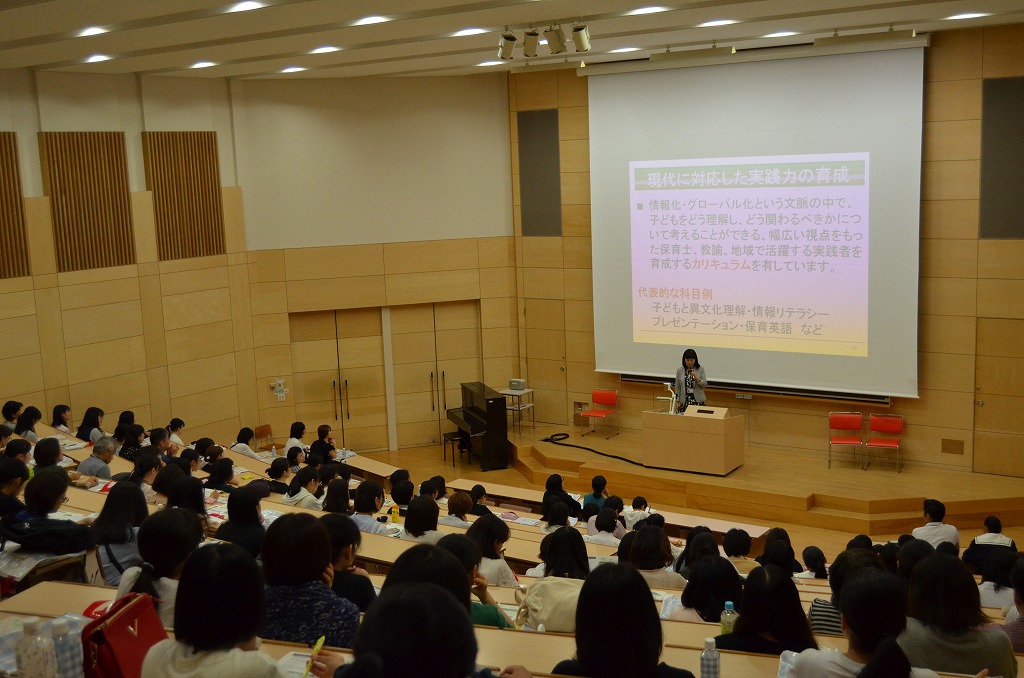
x=506 y=45
x=581 y=37
x=890 y=36
x=556 y=39
x=531 y=38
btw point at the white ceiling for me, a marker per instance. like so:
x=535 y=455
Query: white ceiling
x=166 y=37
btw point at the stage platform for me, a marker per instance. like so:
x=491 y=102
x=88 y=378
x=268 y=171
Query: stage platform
x=777 y=485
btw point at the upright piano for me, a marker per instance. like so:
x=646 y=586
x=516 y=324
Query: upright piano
x=482 y=422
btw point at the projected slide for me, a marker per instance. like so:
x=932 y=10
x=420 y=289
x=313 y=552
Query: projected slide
x=761 y=253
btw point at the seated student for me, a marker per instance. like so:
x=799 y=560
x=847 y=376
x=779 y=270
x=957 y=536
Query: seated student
x=736 y=544
x=995 y=588
x=421 y=521
x=948 y=548
x=993 y=541
x=367 y=501
x=657 y=520
x=941 y=630
x=25 y=426
x=13 y=476
x=132 y=445
x=160 y=440
x=301 y=491
x=935 y=531
x=350 y=582
x=874 y=607
x=779 y=553
x=116 y=530
x=222 y=476
x=479 y=495
x=486 y=612
x=164 y=481
x=19 y=449
x=315 y=460
x=1013 y=626
x=617 y=592
x=211 y=456
x=605 y=524
x=911 y=553
x=11 y=410
x=459 y=506
x=147 y=466
x=48 y=455
x=5 y=437
x=814 y=559
x=600 y=493
x=555 y=516
x=713 y=582
x=245 y=521
x=440 y=487
x=698 y=546
x=296 y=456
x=45 y=494
x=61 y=418
x=337 y=499
x=301 y=606
x=89 y=430
x=490 y=533
x=553 y=487
x=175 y=429
x=889 y=555
x=779 y=534
x=401 y=494
x=328 y=473
x=650 y=553
x=444 y=640
x=190 y=457
x=97 y=464
x=773 y=618
x=200 y=446
x=187 y=493
x=551 y=600
x=279 y=473
x=295 y=435
x=636 y=512
x=242 y=440
x=823 y=614
x=324 y=443
x=615 y=505
x=220 y=577
x=861 y=541
x=538 y=569
x=428 y=489
x=397 y=475
x=127 y=418
x=166 y=539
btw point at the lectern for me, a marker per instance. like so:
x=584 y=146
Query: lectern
x=701 y=440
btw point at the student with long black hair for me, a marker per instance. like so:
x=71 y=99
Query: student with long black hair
x=166 y=539
x=61 y=418
x=25 y=426
x=89 y=430
x=303 y=488
x=116 y=530
x=773 y=618
x=222 y=473
x=491 y=533
x=245 y=521
x=350 y=582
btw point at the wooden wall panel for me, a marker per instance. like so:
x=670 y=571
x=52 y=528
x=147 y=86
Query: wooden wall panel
x=85 y=175
x=182 y=172
x=13 y=242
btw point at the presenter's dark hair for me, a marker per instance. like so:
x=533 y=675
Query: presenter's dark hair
x=366 y=497
x=226 y=577
x=488 y=531
x=690 y=353
x=567 y=555
x=429 y=564
x=617 y=592
x=296 y=550
x=736 y=543
x=650 y=550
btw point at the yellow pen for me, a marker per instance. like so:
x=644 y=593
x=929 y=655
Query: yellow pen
x=316 y=650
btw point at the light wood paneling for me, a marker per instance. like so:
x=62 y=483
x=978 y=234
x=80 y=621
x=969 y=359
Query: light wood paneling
x=498 y=312
x=952 y=140
x=419 y=288
x=1004 y=51
x=497 y=282
x=192 y=281
x=85 y=175
x=574 y=122
x=948 y=296
x=1001 y=298
x=234 y=219
x=51 y=338
x=273 y=361
x=153 y=320
x=241 y=306
x=203 y=341
x=270 y=329
x=934 y=370
x=579 y=346
x=310 y=356
x=22 y=374
x=999 y=453
x=951 y=180
x=572 y=89
x=359 y=322
x=956 y=219
x=542 y=252
x=39 y=234
x=954 y=55
x=946 y=334
x=13 y=241
x=579 y=283
x=1000 y=337
x=1000 y=376
x=317 y=326
x=323 y=295
x=319 y=263
x=204 y=375
x=144 y=227
x=536 y=91
x=21 y=337
x=999 y=414
x=412 y=318
x=99 y=293
x=128 y=390
x=495 y=252
x=1000 y=259
x=576 y=188
x=315 y=387
x=953 y=100
x=183 y=173
x=208 y=407
x=577 y=252
x=245 y=371
x=545 y=344
x=196 y=308
x=457 y=344
x=500 y=341
x=574 y=155
x=543 y=283
x=545 y=314
x=108 y=359
x=430 y=256
x=90 y=325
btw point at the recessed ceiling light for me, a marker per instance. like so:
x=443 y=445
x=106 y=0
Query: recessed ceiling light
x=469 y=31
x=245 y=6
x=91 y=30
x=202 y=64
x=646 y=10
x=95 y=58
x=717 y=22
x=967 y=15
x=293 y=69
x=543 y=41
x=780 y=34
x=491 y=63
x=367 y=20
x=623 y=50
x=327 y=49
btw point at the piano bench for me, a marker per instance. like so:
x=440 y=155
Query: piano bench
x=452 y=438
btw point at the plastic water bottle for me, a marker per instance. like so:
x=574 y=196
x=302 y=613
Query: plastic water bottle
x=710 y=661
x=34 y=651
x=273 y=451
x=729 y=616
x=68 y=649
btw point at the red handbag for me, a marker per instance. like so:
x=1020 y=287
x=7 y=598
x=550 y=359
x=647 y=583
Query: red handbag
x=115 y=645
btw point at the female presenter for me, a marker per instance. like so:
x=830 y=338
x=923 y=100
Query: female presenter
x=690 y=381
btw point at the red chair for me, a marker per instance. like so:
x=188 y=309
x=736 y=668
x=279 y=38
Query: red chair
x=600 y=397
x=891 y=426
x=849 y=425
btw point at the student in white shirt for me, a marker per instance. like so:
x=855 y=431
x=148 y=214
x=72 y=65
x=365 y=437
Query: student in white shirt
x=298 y=430
x=241 y=444
x=935 y=531
x=62 y=418
x=491 y=533
x=369 y=497
x=303 y=486
x=605 y=523
x=459 y=506
x=421 y=521
x=174 y=431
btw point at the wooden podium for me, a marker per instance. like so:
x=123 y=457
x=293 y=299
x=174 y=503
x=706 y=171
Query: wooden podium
x=702 y=440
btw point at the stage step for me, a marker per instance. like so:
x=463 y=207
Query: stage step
x=538 y=473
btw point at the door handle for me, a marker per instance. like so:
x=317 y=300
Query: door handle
x=444 y=392
x=348 y=408
x=433 y=396
x=334 y=397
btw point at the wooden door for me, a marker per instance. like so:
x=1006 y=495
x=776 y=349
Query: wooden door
x=363 y=390
x=999 y=397
x=414 y=358
x=457 y=340
x=315 y=387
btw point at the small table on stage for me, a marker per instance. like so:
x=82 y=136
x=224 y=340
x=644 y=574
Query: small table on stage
x=517 y=405
x=702 y=440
